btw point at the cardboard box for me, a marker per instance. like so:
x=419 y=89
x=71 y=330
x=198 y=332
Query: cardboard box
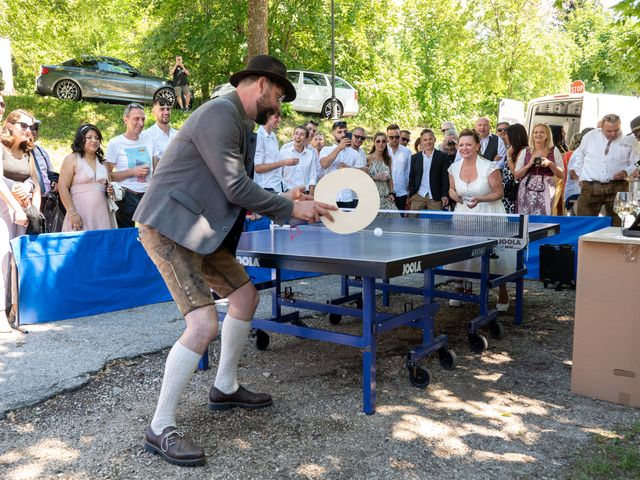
x=606 y=344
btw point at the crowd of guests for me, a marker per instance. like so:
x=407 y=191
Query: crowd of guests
x=84 y=195
x=509 y=171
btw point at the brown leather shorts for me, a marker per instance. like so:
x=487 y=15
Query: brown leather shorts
x=190 y=276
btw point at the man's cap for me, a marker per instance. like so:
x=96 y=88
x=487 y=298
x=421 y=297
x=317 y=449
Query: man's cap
x=635 y=124
x=270 y=67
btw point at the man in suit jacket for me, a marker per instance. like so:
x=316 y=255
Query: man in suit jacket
x=491 y=146
x=191 y=218
x=428 y=176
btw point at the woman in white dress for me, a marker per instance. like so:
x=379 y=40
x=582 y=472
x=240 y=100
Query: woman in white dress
x=475 y=184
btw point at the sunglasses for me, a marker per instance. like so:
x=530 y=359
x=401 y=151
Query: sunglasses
x=132 y=106
x=393 y=137
x=24 y=126
x=404 y=139
x=163 y=103
x=443 y=130
x=501 y=130
x=381 y=141
x=360 y=137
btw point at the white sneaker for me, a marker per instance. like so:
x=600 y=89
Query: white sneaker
x=454 y=302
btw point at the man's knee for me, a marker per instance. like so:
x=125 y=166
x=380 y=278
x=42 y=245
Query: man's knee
x=203 y=323
x=244 y=301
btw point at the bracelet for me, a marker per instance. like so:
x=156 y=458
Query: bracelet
x=74 y=214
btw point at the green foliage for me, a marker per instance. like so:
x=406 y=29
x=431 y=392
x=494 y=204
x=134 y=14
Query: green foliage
x=412 y=61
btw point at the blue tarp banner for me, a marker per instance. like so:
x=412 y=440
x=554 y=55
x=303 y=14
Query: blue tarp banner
x=69 y=275
x=570 y=229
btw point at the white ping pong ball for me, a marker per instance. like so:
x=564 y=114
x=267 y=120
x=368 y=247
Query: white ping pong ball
x=377 y=232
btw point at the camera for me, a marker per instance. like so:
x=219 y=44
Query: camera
x=537 y=161
x=348 y=135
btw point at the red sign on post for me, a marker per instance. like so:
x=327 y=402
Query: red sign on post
x=577 y=87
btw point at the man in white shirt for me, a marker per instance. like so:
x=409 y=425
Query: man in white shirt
x=302 y=173
x=160 y=132
x=357 y=139
x=603 y=161
x=130 y=160
x=268 y=164
x=400 y=165
x=491 y=146
x=340 y=156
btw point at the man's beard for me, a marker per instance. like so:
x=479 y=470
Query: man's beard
x=263 y=111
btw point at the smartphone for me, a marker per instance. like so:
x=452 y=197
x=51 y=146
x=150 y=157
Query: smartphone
x=348 y=135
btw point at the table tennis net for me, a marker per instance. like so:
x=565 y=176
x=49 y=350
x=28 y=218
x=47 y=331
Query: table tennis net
x=484 y=225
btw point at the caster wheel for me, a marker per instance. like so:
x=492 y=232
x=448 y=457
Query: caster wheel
x=359 y=304
x=496 y=329
x=448 y=358
x=334 y=318
x=478 y=343
x=419 y=377
x=262 y=340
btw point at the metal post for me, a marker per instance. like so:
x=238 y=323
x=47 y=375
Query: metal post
x=333 y=66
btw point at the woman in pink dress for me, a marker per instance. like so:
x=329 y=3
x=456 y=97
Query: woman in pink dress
x=83 y=183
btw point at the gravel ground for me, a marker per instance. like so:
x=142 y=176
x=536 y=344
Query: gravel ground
x=507 y=413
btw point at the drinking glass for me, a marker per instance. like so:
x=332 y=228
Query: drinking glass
x=623 y=206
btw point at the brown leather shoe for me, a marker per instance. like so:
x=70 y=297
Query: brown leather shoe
x=173 y=447
x=242 y=398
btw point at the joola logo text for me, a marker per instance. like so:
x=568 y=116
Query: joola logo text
x=248 y=261
x=412 y=267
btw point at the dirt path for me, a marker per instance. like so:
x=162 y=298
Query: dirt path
x=507 y=413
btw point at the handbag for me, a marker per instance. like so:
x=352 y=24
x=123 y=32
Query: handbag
x=36 y=220
x=53 y=213
x=118 y=191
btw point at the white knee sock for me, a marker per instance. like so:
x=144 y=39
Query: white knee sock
x=233 y=337
x=181 y=363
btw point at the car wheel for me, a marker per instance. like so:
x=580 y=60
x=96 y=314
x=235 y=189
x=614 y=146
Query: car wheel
x=67 y=90
x=166 y=93
x=326 y=109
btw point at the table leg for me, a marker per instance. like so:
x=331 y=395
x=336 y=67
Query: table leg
x=519 y=309
x=369 y=343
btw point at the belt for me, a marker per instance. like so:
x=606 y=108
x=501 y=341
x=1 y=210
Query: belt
x=137 y=194
x=595 y=182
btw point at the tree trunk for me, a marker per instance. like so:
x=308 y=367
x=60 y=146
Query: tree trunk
x=257 y=28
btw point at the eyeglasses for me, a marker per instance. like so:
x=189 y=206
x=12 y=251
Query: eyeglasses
x=23 y=126
x=279 y=97
x=611 y=118
x=443 y=130
x=404 y=139
x=35 y=127
x=381 y=140
x=360 y=137
x=500 y=130
x=637 y=134
x=393 y=137
x=132 y=106
x=163 y=102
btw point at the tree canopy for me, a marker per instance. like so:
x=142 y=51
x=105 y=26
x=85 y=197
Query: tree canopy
x=412 y=61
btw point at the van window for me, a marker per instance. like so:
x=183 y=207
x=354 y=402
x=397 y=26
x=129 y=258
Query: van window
x=315 y=79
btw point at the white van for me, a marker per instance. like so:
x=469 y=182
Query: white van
x=574 y=111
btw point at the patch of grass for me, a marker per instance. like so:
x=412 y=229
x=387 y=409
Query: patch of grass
x=610 y=457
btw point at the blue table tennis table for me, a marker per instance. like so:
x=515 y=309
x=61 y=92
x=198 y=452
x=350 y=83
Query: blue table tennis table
x=361 y=254
x=405 y=248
